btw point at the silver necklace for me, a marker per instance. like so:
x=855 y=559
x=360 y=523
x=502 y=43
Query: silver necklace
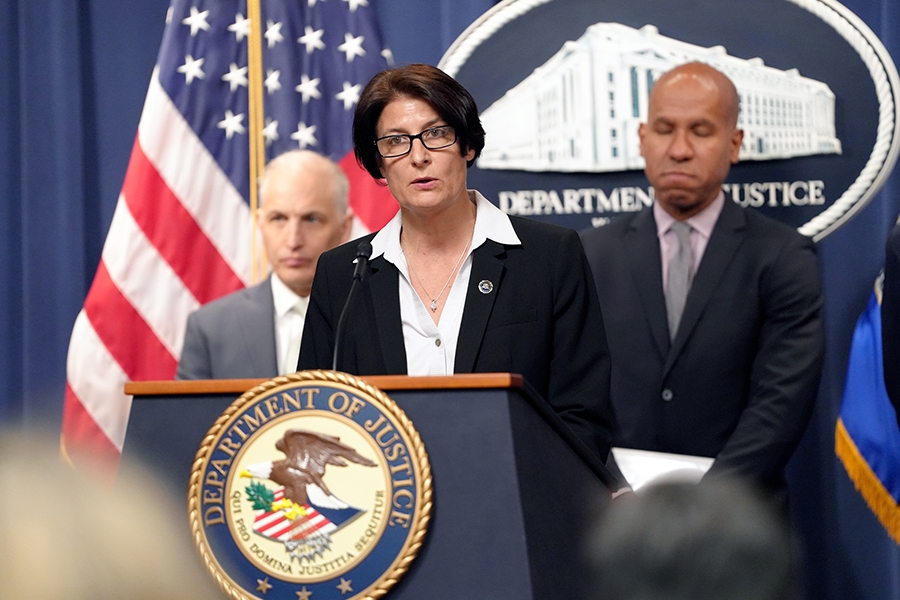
x=434 y=300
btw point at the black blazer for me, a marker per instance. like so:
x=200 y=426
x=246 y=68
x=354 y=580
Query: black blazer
x=542 y=320
x=739 y=381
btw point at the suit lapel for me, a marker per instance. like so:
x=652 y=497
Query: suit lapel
x=258 y=329
x=487 y=265
x=724 y=242
x=384 y=288
x=642 y=249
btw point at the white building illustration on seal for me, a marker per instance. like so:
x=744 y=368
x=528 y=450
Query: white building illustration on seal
x=579 y=111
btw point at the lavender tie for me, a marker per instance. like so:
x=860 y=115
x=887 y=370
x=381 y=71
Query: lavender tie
x=679 y=278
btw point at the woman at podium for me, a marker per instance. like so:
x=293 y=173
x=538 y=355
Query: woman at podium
x=452 y=284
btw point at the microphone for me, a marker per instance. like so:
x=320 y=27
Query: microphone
x=363 y=252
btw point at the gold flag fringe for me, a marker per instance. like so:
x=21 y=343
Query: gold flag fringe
x=866 y=482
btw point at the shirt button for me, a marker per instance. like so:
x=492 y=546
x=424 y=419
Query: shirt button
x=437 y=342
x=667 y=395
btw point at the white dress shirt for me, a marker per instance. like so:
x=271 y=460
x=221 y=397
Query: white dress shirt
x=290 y=312
x=430 y=347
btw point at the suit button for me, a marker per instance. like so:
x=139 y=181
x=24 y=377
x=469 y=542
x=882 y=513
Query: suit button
x=667 y=395
x=437 y=342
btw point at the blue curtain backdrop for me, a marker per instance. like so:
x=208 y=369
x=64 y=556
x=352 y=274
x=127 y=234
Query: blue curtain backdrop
x=72 y=85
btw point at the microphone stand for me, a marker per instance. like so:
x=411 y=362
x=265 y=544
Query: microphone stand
x=363 y=252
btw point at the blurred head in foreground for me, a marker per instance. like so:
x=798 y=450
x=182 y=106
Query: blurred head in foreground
x=66 y=536
x=717 y=540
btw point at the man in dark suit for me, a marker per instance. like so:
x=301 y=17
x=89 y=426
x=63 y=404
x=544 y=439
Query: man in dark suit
x=255 y=332
x=890 y=318
x=715 y=332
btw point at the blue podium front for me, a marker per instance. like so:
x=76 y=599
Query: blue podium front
x=514 y=490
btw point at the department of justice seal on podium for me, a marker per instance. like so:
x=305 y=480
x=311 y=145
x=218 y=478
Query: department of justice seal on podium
x=310 y=486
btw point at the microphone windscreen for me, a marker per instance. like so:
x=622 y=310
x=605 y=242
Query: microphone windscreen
x=364 y=249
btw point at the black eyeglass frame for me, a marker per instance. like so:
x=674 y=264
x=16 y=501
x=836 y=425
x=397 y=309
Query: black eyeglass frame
x=419 y=137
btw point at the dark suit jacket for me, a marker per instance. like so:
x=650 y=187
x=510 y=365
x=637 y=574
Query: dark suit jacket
x=890 y=318
x=541 y=320
x=739 y=381
x=232 y=337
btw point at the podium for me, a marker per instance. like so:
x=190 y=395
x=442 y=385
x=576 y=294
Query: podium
x=515 y=492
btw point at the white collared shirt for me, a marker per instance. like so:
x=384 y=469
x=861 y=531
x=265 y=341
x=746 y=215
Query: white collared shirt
x=430 y=348
x=290 y=313
x=702 y=225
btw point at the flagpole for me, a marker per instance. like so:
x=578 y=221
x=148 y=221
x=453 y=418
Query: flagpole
x=255 y=126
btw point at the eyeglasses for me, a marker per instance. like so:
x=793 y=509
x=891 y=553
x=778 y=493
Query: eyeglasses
x=399 y=144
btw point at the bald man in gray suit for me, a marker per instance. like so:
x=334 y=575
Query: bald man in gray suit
x=249 y=333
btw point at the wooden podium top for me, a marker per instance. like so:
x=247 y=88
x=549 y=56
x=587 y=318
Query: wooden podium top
x=382 y=382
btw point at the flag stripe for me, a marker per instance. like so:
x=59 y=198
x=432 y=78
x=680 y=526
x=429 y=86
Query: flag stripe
x=97 y=383
x=194 y=176
x=275 y=525
x=303 y=528
x=83 y=432
x=140 y=355
x=128 y=251
x=175 y=234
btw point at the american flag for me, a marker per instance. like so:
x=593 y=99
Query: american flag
x=181 y=232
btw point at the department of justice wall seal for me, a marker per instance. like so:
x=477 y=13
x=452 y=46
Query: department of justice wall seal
x=563 y=85
x=310 y=486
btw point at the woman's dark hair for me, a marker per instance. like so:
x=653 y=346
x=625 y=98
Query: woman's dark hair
x=444 y=94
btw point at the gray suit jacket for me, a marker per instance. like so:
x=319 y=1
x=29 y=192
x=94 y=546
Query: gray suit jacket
x=740 y=379
x=232 y=337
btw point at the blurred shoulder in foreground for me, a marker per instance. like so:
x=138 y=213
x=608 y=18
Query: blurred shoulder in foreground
x=66 y=536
